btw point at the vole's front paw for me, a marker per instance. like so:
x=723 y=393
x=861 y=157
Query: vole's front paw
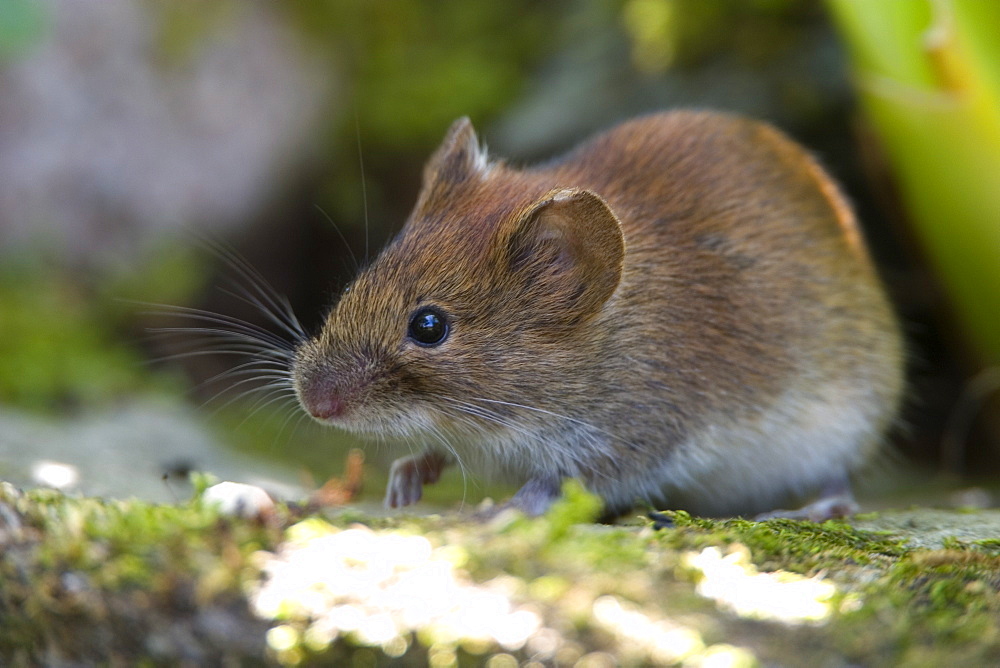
x=408 y=476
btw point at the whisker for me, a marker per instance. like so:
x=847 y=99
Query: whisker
x=237 y=326
x=567 y=418
x=336 y=228
x=486 y=414
x=292 y=327
x=202 y=348
x=364 y=190
x=588 y=436
x=453 y=451
x=267 y=390
x=260 y=405
x=278 y=380
x=272 y=304
x=292 y=411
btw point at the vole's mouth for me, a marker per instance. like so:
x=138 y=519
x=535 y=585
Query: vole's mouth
x=353 y=414
x=371 y=424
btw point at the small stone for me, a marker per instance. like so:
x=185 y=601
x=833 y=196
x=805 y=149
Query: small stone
x=241 y=500
x=55 y=474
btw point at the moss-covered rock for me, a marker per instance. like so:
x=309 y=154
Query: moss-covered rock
x=89 y=580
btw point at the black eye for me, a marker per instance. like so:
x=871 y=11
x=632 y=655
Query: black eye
x=428 y=327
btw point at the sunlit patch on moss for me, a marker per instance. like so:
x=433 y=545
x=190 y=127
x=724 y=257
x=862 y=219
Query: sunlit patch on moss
x=381 y=587
x=735 y=583
x=903 y=605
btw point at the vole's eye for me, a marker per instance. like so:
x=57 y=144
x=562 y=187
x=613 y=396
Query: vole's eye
x=428 y=327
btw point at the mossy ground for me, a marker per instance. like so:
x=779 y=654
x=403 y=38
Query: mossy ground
x=89 y=580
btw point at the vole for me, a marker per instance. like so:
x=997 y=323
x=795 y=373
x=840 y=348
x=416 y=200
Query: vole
x=679 y=311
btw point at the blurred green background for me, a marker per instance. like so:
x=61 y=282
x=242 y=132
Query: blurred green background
x=295 y=133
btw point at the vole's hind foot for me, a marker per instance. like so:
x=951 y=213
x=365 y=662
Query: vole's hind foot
x=533 y=499
x=537 y=495
x=836 y=502
x=829 y=508
x=408 y=476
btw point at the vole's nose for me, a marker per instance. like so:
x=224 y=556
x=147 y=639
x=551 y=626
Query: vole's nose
x=321 y=398
x=324 y=406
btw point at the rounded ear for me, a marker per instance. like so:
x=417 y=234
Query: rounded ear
x=569 y=245
x=458 y=157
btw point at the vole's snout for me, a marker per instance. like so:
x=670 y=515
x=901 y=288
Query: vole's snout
x=319 y=392
x=322 y=405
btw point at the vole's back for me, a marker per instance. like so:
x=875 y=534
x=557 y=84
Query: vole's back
x=753 y=310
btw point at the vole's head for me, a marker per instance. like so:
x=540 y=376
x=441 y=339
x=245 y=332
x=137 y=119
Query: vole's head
x=494 y=277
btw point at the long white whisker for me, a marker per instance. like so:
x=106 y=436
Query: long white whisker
x=208 y=348
x=281 y=319
x=236 y=327
x=268 y=390
x=364 y=190
x=261 y=356
x=443 y=440
x=589 y=435
x=336 y=228
x=567 y=418
x=274 y=380
x=292 y=412
x=486 y=414
x=268 y=300
x=273 y=396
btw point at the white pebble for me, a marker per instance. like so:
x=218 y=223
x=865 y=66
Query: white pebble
x=234 y=498
x=54 y=474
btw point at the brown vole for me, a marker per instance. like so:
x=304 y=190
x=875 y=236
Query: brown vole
x=681 y=311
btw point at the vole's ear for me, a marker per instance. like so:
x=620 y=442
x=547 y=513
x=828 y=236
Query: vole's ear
x=569 y=247
x=458 y=157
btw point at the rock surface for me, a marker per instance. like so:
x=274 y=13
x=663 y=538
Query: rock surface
x=127 y=452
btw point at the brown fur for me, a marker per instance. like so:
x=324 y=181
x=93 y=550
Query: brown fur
x=645 y=313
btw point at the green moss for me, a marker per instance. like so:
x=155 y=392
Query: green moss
x=990 y=545
x=928 y=609
x=793 y=545
x=909 y=606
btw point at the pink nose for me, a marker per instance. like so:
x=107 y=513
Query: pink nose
x=323 y=405
x=326 y=408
